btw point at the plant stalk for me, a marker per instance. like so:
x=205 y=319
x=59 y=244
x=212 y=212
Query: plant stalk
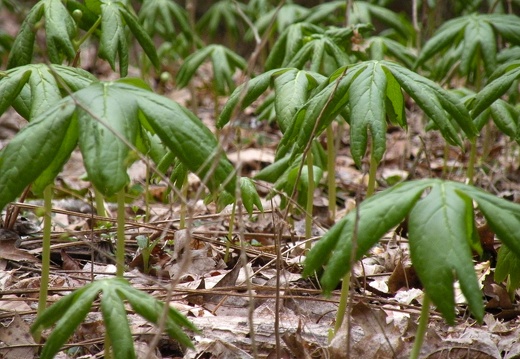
x=310 y=199
x=472 y=159
x=331 y=171
x=46 y=254
x=372 y=172
x=343 y=301
x=120 y=247
x=421 y=330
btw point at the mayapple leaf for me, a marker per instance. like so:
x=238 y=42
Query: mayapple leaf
x=113 y=40
x=382 y=47
x=323 y=107
x=477 y=34
x=141 y=36
x=10 y=86
x=113 y=43
x=32 y=150
x=60 y=29
x=221 y=13
x=368 y=112
x=117 y=326
x=280 y=18
x=69 y=143
x=502 y=216
x=362 y=96
x=435 y=102
x=224 y=61
x=508 y=265
x=43 y=87
x=291 y=93
x=70 y=311
x=439 y=232
x=289 y=43
x=150 y=308
x=361 y=229
x=250 y=92
x=502 y=80
x=185 y=134
x=23 y=46
x=105 y=109
x=506 y=118
x=67 y=314
x=362 y=12
x=161 y=17
x=250 y=197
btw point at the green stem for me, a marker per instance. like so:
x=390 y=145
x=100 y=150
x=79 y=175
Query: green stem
x=310 y=199
x=88 y=33
x=343 y=301
x=372 y=172
x=421 y=330
x=331 y=171
x=184 y=202
x=472 y=159
x=46 y=254
x=445 y=160
x=120 y=247
x=230 y=232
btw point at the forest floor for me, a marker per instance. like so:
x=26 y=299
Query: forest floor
x=242 y=286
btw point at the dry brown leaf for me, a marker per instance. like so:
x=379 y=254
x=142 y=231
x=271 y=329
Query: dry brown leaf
x=69 y=263
x=14 y=334
x=8 y=250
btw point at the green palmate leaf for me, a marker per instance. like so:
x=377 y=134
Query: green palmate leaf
x=10 y=86
x=289 y=43
x=381 y=47
x=365 y=89
x=67 y=315
x=250 y=92
x=221 y=13
x=102 y=109
x=477 y=35
x=104 y=153
x=250 y=197
x=71 y=310
x=508 y=265
x=59 y=28
x=32 y=89
x=506 y=118
x=323 y=107
x=113 y=43
x=117 y=327
x=283 y=17
x=151 y=309
x=186 y=135
x=292 y=89
x=376 y=216
x=69 y=143
x=368 y=108
x=440 y=250
x=33 y=149
x=503 y=78
x=502 y=216
x=224 y=61
x=362 y=12
x=161 y=16
x=441 y=233
x=435 y=102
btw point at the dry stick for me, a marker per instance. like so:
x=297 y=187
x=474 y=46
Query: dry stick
x=11 y=216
